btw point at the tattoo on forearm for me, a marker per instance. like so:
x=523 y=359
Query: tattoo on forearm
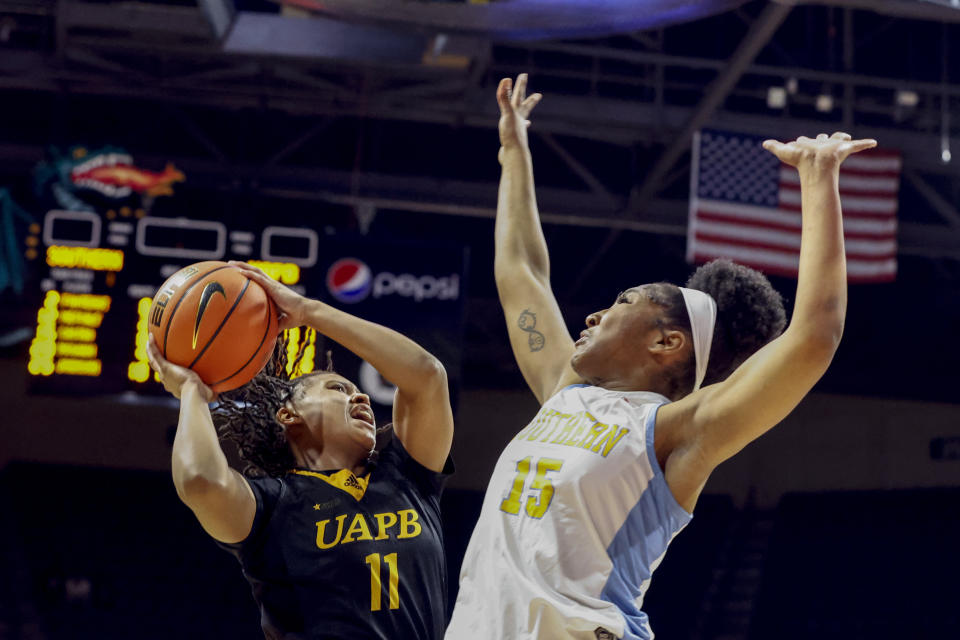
x=528 y=322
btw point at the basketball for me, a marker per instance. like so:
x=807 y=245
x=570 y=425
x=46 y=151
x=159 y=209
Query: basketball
x=213 y=319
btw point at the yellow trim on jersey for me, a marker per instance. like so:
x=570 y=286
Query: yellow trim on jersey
x=343 y=479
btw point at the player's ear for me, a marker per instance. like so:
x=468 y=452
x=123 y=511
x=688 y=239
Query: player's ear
x=668 y=344
x=288 y=417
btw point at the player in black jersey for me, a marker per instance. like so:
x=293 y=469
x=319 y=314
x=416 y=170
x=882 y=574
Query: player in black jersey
x=336 y=542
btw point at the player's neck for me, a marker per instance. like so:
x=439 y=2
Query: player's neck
x=326 y=460
x=637 y=379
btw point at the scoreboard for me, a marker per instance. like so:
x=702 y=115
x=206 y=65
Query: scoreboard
x=98 y=272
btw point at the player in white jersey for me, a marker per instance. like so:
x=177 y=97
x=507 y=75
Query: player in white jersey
x=658 y=390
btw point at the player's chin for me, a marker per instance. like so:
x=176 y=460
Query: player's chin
x=369 y=428
x=583 y=363
x=370 y=440
x=577 y=360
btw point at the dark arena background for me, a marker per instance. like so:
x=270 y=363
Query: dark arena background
x=350 y=148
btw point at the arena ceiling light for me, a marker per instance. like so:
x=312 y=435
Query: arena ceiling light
x=776 y=97
x=908 y=99
x=824 y=103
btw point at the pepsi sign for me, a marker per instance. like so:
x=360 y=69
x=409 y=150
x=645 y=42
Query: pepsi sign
x=349 y=280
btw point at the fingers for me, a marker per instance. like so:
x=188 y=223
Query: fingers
x=258 y=277
x=503 y=94
x=512 y=98
x=153 y=354
x=527 y=105
x=780 y=150
x=856 y=146
x=520 y=92
x=836 y=148
x=154 y=358
x=254 y=273
x=246 y=267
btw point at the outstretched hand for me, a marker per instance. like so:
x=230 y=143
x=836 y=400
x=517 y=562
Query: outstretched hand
x=822 y=152
x=290 y=304
x=515 y=108
x=173 y=376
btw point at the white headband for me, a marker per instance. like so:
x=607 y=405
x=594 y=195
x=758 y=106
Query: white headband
x=703 y=314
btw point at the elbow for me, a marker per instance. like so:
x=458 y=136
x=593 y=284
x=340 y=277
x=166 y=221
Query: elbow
x=422 y=377
x=819 y=329
x=827 y=334
x=820 y=343
x=825 y=327
x=836 y=334
x=431 y=372
x=195 y=486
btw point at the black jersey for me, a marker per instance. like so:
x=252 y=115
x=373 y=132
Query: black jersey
x=333 y=556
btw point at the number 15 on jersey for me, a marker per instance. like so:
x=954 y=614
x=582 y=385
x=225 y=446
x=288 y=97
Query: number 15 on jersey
x=536 y=504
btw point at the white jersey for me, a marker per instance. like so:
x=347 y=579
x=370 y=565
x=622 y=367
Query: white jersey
x=576 y=518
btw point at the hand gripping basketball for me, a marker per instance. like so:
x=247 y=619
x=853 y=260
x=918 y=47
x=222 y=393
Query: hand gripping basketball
x=174 y=377
x=212 y=318
x=290 y=304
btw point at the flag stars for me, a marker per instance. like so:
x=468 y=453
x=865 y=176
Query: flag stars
x=737 y=169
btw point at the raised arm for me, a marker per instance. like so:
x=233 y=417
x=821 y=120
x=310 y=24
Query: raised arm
x=218 y=496
x=719 y=420
x=538 y=335
x=422 y=416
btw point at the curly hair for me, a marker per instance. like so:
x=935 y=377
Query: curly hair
x=750 y=314
x=247 y=416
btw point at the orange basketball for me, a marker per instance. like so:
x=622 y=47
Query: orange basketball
x=213 y=319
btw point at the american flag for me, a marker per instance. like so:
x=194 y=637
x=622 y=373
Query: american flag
x=745 y=205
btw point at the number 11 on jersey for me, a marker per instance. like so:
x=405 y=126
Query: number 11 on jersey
x=536 y=506
x=376 y=588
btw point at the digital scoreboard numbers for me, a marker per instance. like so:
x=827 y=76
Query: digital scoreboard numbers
x=98 y=277
x=66 y=337
x=78 y=273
